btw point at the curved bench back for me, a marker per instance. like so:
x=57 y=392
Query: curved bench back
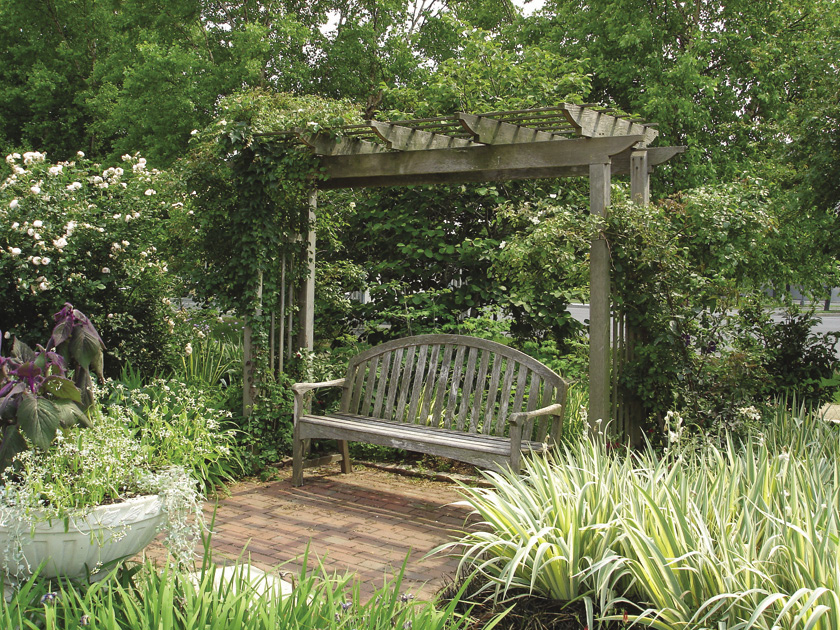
x=452 y=382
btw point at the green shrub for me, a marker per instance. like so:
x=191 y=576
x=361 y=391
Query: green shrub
x=182 y=425
x=78 y=232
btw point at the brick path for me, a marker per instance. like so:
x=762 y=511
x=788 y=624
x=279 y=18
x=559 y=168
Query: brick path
x=365 y=522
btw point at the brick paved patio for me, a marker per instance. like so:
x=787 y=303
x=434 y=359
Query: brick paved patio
x=365 y=522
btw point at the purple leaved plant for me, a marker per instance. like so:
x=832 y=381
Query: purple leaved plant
x=36 y=395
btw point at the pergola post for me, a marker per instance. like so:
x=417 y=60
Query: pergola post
x=306 y=323
x=639 y=178
x=599 y=301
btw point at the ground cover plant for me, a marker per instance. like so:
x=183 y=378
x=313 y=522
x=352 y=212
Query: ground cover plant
x=738 y=536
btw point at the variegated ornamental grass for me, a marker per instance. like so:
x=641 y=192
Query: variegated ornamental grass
x=735 y=536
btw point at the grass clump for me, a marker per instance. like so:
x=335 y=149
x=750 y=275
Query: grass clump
x=740 y=535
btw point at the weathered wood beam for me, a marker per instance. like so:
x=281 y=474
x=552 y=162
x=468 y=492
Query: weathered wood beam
x=622 y=163
x=599 y=303
x=592 y=123
x=566 y=158
x=324 y=144
x=491 y=131
x=408 y=139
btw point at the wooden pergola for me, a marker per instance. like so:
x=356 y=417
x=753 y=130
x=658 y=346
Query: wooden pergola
x=563 y=141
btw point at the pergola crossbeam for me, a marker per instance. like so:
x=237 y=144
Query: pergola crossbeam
x=324 y=144
x=592 y=123
x=568 y=158
x=491 y=131
x=408 y=139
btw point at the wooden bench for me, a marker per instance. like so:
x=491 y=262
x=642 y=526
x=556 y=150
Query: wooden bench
x=453 y=396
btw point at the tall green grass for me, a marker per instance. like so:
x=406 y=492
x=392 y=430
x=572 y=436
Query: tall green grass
x=171 y=600
x=737 y=537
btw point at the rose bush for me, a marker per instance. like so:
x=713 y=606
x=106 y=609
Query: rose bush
x=80 y=232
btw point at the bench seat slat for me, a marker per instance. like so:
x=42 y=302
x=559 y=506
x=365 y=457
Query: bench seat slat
x=356 y=428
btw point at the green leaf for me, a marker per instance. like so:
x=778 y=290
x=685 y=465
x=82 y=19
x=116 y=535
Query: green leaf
x=39 y=419
x=86 y=348
x=21 y=351
x=13 y=443
x=60 y=387
x=70 y=414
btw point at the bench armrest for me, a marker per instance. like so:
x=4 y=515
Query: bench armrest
x=551 y=410
x=517 y=421
x=300 y=389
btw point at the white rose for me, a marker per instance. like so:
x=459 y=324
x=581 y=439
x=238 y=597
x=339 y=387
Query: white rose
x=56 y=170
x=36 y=260
x=106 y=270
x=81 y=154
x=14 y=204
x=36 y=190
x=188 y=349
x=149 y=192
x=37 y=223
x=46 y=261
x=15 y=251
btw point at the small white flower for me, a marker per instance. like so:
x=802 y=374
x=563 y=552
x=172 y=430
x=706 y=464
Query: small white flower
x=43 y=286
x=36 y=236
x=15 y=225
x=188 y=349
x=126 y=158
x=502 y=244
x=149 y=192
x=30 y=232
x=46 y=261
x=74 y=186
x=38 y=223
x=192 y=133
x=352 y=204
x=14 y=204
x=15 y=251
x=60 y=242
x=81 y=154
x=125 y=243
x=117 y=217
x=36 y=190
x=36 y=260
x=106 y=270
x=7 y=335
x=56 y=170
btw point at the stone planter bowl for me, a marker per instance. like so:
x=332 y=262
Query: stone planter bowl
x=78 y=548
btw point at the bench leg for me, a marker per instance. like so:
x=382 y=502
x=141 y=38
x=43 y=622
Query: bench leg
x=297 y=458
x=344 y=449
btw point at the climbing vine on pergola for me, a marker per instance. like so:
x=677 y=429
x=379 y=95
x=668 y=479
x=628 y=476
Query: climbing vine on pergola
x=566 y=140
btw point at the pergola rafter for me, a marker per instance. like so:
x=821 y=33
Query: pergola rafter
x=566 y=140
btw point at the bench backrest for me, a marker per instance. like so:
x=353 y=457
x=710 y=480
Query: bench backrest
x=452 y=382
